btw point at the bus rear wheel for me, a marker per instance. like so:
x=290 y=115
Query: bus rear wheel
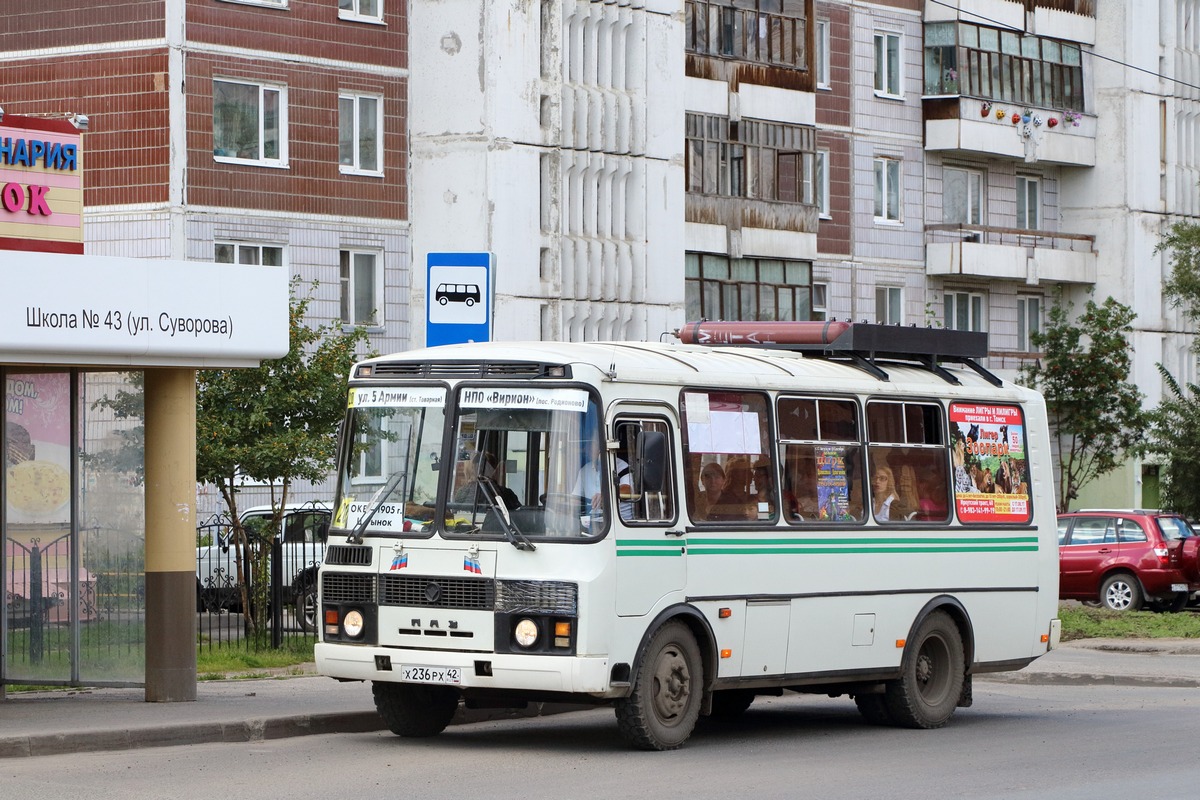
x=932 y=672
x=661 y=711
x=413 y=709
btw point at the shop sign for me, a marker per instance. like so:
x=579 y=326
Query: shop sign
x=41 y=185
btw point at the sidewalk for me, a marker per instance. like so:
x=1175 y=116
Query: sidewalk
x=90 y=720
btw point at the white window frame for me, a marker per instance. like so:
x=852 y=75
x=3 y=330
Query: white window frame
x=242 y=248
x=821 y=166
x=820 y=301
x=282 y=159
x=1029 y=320
x=975 y=309
x=354 y=12
x=821 y=57
x=975 y=196
x=349 y=285
x=355 y=167
x=889 y=305
x=267 y=3
x=889 y=82
x=888 y=172
x=1027 y=185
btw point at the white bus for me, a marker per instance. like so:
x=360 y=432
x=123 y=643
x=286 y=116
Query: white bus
x=676 y=528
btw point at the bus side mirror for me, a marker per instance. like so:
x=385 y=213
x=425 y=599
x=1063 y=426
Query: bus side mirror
x=649 y=465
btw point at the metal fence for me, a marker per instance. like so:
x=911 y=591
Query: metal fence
x=232 y=611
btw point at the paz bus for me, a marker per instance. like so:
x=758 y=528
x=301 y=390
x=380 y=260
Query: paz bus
x=845 y=509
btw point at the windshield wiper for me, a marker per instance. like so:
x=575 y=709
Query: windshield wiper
x=511 y=532
x=381 y=495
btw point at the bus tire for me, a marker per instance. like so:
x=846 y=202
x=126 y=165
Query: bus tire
x=873 y=708
x=661 y=711
x=730 y=704
x=932 y=672
x=415 y=710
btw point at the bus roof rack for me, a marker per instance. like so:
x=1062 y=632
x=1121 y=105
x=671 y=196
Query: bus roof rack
x=862 y=343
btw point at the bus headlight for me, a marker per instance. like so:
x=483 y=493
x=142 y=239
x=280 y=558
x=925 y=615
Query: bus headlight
x=352 y=624
x=526 y=633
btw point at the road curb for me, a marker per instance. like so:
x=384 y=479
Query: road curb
x=1089 y=679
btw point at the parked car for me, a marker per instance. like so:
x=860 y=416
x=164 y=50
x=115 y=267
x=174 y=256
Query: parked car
x=302 y=535
x=1127 y=559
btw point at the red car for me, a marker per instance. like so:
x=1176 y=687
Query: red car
x=1125 y=559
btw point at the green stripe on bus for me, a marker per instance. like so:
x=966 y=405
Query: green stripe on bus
x=755 y=551
x=678 y=551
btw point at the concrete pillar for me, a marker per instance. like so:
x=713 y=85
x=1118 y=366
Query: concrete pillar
x=170 y=535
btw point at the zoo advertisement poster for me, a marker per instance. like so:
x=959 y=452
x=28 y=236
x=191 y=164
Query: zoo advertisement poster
x=991 y=473
x=37 y=459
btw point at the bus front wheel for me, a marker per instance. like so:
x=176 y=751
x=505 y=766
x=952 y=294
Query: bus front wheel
x=662 y=709
x=415 y=709
x=931 y=679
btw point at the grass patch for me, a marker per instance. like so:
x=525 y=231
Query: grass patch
x=1081 y=622
x=227 y=662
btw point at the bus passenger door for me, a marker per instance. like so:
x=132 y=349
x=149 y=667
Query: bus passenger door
x=650 y=540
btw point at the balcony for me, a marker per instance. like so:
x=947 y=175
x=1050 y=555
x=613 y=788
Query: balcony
x=970 y=126
x=987 y=251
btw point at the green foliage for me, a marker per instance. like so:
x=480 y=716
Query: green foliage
x=1182 y=241
x=277 y=424
x=129 y=455
x=1095 y=412
x=224 y=663
x=1081 y=622
x=1174 y=437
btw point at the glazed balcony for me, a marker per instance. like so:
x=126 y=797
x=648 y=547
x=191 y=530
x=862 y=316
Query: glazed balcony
x=1030 y=256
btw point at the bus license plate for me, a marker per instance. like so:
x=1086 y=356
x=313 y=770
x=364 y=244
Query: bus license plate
x=421 y=673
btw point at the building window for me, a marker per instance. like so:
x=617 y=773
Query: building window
x=889 y=305
x=887 y=64
x=820 y=301
x=762 y=31
x=887 y=190
x=1003 y=65
x=241 y=253
x=965 y=311
x=1029 y=205
x=821 y=56
x=752 y=159
x=361 y=10
x=1029 y=321
x=719 y=287
x=360 y=134
x=271 y=3
x=249 y=123
x=362 y=290
x=822 y=182
x=962 y=196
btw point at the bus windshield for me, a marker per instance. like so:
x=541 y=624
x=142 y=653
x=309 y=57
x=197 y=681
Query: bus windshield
x=397 y=443
x=527 y=464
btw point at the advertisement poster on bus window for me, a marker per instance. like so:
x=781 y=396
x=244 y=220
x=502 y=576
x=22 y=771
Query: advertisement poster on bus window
x=991 y=472
x=833 y=484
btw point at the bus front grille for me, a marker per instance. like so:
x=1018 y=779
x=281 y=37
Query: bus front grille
x=418 y=591
x=347 y=587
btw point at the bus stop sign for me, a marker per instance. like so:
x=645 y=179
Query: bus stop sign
x=458 y=298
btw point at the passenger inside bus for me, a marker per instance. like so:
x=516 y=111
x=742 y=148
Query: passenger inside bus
x=717 y=501
x=883 y=491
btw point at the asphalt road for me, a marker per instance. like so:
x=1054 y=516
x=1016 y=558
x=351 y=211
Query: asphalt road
x=1017 y=741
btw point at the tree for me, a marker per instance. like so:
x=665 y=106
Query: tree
x=275 y=423
x=1095 y=412
x=1174 y=433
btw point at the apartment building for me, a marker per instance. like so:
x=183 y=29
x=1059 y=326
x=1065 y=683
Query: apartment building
x=239 y=131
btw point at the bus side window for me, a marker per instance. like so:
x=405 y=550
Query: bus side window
x=726 y=435
x=822 y=460
x=643 y=471
x=909 y=474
